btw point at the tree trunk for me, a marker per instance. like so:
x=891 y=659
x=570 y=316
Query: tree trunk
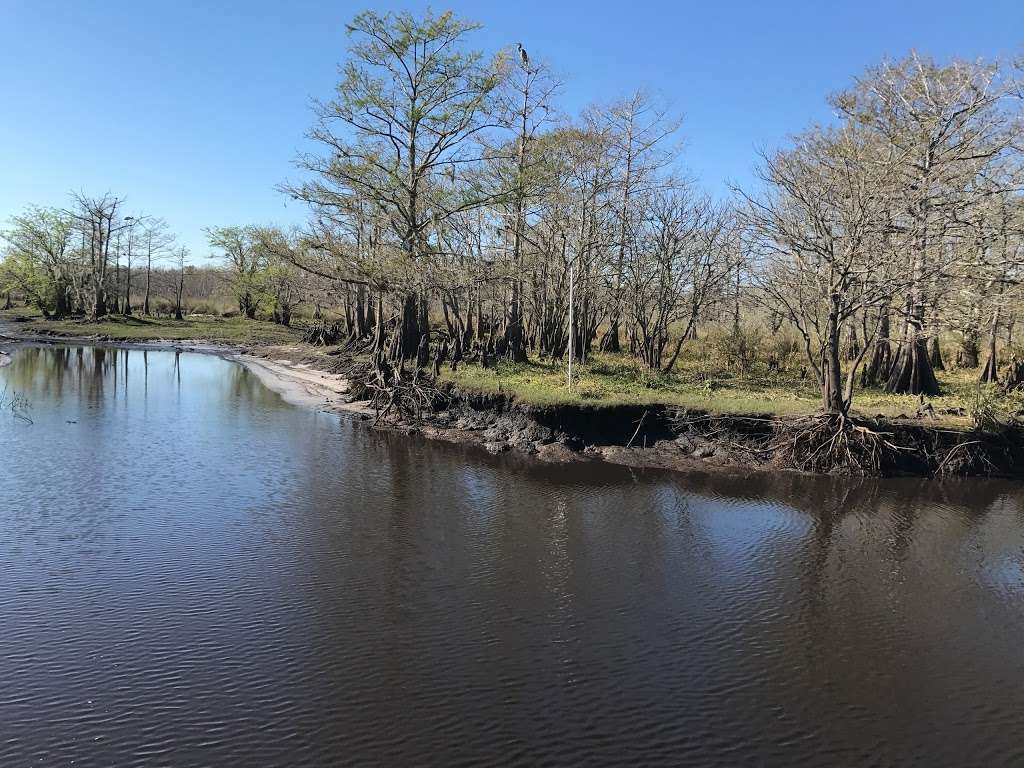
x=831 y=371
x=515 y=344
x=1014 y=375
x=149 y=276
x=935 y=354
x=852 y=344
x=969 y=352
x=362 y=325
x=99 y=307
x=881 y=355
x=990 y=373
x=177 y=299
x=610 y=341
x=409 y=338
x=126 y=306
x=63 y=306
x=912 y=370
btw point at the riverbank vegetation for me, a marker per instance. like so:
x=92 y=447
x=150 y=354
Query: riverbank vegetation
x=463 y=227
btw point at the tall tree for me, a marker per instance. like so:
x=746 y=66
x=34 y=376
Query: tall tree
x=525 y=107
x=156 y=239
x=637 y=130
x=410 y=104
x=942 y=124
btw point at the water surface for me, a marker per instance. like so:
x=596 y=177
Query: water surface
x=193 y=572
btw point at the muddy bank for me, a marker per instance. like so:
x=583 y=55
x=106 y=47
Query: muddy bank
x=665 y=437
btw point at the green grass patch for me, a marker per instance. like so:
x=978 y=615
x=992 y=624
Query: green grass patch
x=234 y=331
x=609 y=380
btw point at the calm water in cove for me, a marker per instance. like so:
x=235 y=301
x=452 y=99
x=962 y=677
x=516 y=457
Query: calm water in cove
x=193 y=573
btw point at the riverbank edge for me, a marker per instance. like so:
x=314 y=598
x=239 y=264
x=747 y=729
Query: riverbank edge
x=640 y=436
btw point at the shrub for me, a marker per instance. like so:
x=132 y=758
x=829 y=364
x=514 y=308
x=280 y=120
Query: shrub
x=782 y=352
x=739 y=348
x=992 y=409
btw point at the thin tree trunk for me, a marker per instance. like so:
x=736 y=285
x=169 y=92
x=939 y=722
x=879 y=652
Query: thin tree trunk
x=935 y=354
x=990 y=373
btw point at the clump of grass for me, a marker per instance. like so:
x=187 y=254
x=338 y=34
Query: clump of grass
x=16 y=404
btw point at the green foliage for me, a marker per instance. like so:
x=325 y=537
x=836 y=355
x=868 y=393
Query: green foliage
x=410 y=104
x=991 y=409
x=21 y=273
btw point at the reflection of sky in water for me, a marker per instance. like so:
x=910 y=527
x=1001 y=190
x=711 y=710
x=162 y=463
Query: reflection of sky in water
x=138 y=436
x=993 y=549
x=743 y=533
x=1005 y=573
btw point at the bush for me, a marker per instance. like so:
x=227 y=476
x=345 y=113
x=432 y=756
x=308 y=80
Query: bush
x=991 y=409
x=739 y=348
x=782 y=352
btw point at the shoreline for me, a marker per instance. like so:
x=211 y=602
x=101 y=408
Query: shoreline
x=636 y=436
x=305 y=386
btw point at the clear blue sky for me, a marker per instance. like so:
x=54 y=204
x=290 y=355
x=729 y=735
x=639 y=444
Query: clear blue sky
x=195 y=110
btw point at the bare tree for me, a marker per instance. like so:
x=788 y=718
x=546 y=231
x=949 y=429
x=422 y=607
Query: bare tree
x=156 y=240
x=819 y=233
x=942 y=126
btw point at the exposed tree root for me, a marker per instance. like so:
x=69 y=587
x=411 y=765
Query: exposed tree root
x=837 y=443
x=323 y=334
x=833 y=441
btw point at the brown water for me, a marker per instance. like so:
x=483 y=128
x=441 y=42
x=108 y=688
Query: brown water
x=194 y=573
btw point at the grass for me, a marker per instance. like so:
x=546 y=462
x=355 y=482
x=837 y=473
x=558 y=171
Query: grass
x=700 y=382
x=608 y=380
x=232 y=331
x=617 y=380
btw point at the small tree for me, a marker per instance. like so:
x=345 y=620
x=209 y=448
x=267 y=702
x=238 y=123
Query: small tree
x=180 y=259
x=245 y=264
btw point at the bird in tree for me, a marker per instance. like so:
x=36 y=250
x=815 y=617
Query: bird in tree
x=522 y=55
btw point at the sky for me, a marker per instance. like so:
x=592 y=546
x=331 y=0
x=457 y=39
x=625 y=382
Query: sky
x=195 y=111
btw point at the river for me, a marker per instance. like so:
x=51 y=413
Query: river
x=194 y=572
